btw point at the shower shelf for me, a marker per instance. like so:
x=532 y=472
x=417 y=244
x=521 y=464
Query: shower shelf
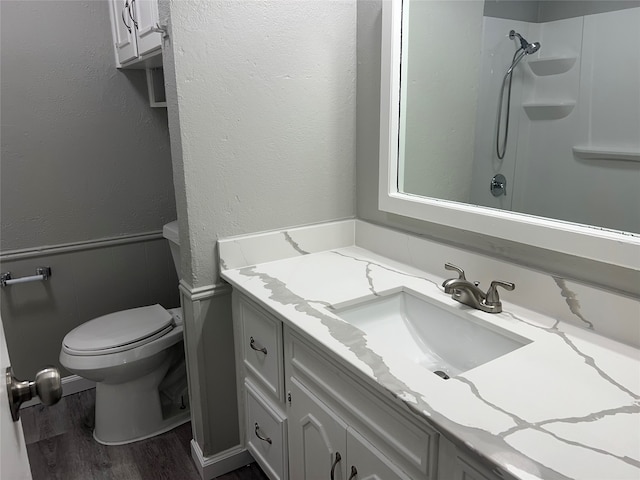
x=551 y=65
x=606 y=153
x=548 y=110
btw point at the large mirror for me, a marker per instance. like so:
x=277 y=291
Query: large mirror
x=515 y=118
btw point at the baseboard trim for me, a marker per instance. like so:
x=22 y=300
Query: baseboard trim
x=70 y=385
x=220 y=463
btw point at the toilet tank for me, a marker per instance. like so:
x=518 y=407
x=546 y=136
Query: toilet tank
x=170 y=232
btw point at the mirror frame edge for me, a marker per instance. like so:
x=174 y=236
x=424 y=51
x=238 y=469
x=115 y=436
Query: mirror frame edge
x=602 y=245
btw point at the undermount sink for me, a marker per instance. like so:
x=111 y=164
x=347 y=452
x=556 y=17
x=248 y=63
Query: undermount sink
x=442 y=340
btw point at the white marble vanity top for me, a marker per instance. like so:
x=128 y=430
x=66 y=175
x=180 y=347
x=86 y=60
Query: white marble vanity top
x=567 y=405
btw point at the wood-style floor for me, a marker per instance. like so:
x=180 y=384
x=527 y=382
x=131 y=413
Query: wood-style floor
x=60 y=445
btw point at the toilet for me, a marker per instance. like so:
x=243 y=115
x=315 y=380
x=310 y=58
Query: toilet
x=136 y=357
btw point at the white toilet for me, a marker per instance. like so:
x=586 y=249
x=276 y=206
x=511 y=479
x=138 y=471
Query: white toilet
x=136 y=357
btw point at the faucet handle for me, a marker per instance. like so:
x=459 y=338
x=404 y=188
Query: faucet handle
x=493 y=299
x=451 y=266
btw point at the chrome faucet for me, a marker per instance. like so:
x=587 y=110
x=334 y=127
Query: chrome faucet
x=468 y=293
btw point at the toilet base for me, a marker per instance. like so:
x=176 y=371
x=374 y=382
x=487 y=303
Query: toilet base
x=170 y=424
x=132 y=411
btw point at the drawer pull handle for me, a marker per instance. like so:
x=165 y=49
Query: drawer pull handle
x=252 y=344
x=260 y=436
x=333 y=467
x=354 y=473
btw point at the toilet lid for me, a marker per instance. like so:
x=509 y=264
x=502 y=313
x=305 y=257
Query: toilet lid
x=119 y=329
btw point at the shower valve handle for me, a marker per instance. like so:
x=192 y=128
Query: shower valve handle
x=498 y=185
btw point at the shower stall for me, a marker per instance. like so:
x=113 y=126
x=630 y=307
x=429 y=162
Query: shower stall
x=568 y=147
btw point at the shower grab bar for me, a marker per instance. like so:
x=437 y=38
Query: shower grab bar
x=42 y=273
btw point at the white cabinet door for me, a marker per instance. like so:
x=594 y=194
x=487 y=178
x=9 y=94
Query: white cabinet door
x=145 y=13
x=365 y=462
x=14 y=463
x=317 y=438
x=124 y=31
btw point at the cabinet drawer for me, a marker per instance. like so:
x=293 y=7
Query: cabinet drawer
x=266 y=435
x=261 y=345
x=397 y=435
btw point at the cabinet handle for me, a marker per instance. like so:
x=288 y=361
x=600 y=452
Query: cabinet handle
x=333 y=467
x=354 y=473
x=260 y=436
x=135 y=22
x=126 y=6
x=252 y=344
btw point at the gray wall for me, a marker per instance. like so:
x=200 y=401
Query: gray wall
x=523 y=10
x=367 y=145
x=558 y=9
x=83 y=154
x=84 y=158
x=86 y=282
x=539 y=11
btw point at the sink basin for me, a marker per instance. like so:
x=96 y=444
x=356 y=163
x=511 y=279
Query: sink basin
x=444 y=340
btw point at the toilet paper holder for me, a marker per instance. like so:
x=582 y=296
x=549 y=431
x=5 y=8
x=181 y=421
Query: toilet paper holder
x=42 y=273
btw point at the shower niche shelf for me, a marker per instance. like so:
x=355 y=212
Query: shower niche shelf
x=606 y=153
x=543 y=67
x=548 y=110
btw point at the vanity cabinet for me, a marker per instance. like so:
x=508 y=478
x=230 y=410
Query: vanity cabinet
x=137 y=43
x=331 y=402
x=260 y=379
x=307 y=415
x=322 y=445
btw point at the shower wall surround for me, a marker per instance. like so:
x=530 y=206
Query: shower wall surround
x=517 y=414
x=579 y=91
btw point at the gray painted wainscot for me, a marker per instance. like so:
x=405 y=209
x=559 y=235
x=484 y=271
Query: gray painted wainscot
x=567 y=405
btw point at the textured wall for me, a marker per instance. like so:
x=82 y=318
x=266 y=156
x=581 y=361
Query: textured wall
x=261 y=101
x=83 y=154
x=266 y=114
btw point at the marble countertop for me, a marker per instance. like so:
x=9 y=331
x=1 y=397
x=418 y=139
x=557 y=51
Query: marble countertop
x=566 y=405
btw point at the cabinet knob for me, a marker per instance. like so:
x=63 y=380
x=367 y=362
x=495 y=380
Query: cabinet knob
x=354 y=473
x=335 y=463
x=252 y=344
x=126 y=7
x=260 y=436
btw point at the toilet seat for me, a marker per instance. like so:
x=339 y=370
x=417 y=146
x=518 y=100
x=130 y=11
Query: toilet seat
x=118 y=332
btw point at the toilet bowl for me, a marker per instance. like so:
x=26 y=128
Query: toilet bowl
x=136 y=358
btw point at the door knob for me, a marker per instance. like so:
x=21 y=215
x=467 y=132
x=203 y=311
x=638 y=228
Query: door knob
x=47 y=385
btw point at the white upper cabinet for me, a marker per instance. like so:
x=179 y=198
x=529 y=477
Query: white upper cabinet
x=137 y=43
x=124 y=36
x=145 y=13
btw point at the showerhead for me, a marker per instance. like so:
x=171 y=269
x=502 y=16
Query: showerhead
x=529 y=48
x=532 y=48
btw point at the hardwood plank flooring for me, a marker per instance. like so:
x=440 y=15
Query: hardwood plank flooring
x=60 y=445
